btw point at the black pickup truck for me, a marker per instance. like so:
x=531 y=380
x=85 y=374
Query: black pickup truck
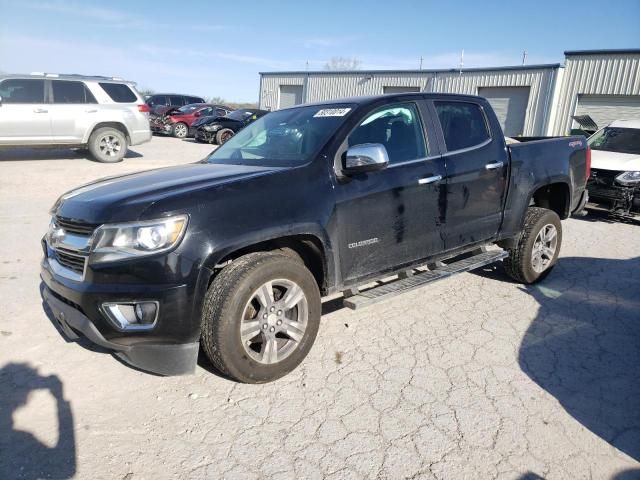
x=233 y=253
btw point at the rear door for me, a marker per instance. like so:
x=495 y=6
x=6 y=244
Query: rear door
x=477 y=166
x=73 y=110
x=24 y=112
x=391 y=217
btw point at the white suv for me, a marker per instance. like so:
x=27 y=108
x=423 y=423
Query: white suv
x=103 y=114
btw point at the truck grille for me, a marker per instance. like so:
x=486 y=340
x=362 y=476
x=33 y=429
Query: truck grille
x=70 y=260
x=603 y=177
x=78 y=228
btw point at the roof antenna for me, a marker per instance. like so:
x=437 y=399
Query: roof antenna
x=461 y=60
x=524 y=57
x=421 y=59
x=306 y=65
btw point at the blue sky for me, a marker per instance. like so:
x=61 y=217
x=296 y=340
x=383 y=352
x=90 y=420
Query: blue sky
x=217 y=48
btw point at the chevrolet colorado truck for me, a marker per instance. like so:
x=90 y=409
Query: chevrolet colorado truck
x=370 y=196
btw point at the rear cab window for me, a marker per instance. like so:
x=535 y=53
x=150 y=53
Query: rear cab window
x=71 y=92
x=119 y=92
x=22 y=90
x=464 y=124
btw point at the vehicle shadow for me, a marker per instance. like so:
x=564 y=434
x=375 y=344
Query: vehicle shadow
x=30 y=154
x=583 y=347
x=606 y=217
x=22 y=455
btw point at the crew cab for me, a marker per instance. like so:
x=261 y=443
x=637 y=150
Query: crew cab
x=614 y=185
x=369 y=196
x=178 y=122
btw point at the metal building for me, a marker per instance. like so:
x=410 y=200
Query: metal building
x=604 y=84
x=529 y=100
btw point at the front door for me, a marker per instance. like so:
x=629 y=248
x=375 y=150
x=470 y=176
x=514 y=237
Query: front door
x=476 y=173
x=24 y=114
x=391 y=217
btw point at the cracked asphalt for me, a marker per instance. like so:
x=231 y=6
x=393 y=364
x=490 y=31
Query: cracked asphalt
x=473 y=377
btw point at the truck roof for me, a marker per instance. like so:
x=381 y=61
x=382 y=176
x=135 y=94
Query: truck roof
x=365 y=100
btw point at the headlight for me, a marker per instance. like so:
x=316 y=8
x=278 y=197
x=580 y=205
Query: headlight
x=137 y=239
x=211 y=128
x=628 y=178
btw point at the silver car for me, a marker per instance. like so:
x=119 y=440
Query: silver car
x=105 y=115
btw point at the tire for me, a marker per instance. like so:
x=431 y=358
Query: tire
x=107 y=145
x=234 y=311
x=223 y=135
x=180 y=130
x=526 y=263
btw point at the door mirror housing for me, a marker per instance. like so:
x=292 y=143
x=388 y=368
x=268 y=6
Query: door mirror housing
x=197 y=114
x=367 y=157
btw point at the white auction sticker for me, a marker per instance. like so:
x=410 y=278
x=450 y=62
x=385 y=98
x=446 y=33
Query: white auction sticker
x=332 y=112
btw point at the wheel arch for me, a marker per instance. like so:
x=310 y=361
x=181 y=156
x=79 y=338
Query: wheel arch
x=121 y=127
x=310 y=248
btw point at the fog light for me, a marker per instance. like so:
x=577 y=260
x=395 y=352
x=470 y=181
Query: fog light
x=132 y=316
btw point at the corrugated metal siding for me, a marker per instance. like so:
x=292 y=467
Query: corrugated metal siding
x=607 y=74
x=540 y=82
x=328 y=86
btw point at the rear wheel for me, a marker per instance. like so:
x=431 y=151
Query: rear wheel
x=108 y=145
x=538 y=248
x=180 y=130
x=261 y=316
x=224 y=135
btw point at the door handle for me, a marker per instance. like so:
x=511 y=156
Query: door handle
x=494 y=166
x=40 y=110
x=428 y=180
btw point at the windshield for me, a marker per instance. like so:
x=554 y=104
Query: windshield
x=283 y=138
x=239 y=114
x=188 y=108
x=616 y=139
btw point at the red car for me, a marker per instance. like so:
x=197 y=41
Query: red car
x=177 y=121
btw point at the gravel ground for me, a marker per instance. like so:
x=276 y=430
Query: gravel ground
x=473 y=377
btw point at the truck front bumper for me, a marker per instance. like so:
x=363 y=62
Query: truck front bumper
x=170 y=346
x=160 y=359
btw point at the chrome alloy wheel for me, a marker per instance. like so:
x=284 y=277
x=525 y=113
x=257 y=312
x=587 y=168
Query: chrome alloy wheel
x=544 y=248
x=274 y=321
x=181 y=130
x=110 y=145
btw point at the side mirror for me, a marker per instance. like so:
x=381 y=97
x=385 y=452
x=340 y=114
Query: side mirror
x=368 y=157
x=197 y=114
x=0 y=101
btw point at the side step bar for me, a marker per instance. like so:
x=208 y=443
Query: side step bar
x=413 y=279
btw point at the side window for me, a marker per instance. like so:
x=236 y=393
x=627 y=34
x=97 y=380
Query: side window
x=205 y=112
x=176 y=100
x=194 y=100
x=157 y=100
x=71 y=92
x=119 y=92
x=463 y=124
x=17 y=90
x=220 y=112
x=398 y=128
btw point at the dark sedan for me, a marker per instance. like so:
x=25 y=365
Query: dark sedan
x=219 y=130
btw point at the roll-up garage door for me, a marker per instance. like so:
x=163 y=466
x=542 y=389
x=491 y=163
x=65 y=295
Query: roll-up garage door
x=510 y=105
x=290 y=95
x=604 y=109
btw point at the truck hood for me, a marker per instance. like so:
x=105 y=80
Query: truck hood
x=125 y=198
x=621 y=162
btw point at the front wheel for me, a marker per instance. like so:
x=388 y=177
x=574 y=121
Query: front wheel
x=224 y=135
x=260 y=317
x=538 y=248
x=180 y=130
